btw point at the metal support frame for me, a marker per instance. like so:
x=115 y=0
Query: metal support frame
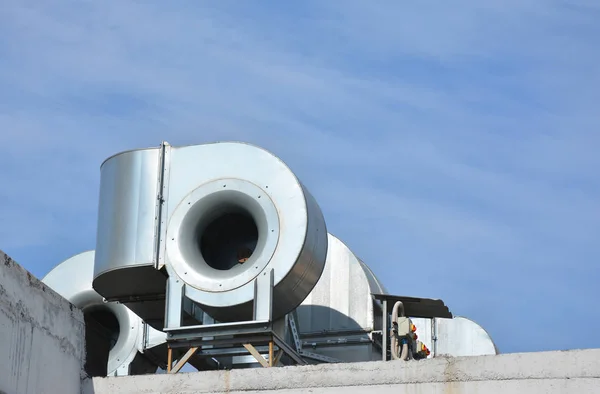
x=211 y=340
x=230 y=340
x=434 y=337
x=182 y=361
x=384 y=331
x=293 y=324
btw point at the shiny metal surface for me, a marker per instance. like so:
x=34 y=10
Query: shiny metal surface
x=341 y=300
x=126 y=225
x=126 y=210
x=72 y=279
x=229 y=227
x=201 y=185
x=456 y=337
x=338 y=316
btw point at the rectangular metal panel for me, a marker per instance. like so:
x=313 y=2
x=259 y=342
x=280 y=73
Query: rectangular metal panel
x=341 y=300
x=126 y=212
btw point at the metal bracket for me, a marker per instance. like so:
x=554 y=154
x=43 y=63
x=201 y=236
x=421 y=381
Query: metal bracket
x=384 y=330
x=319 y=357
x=292 y=319
x=123 y=370
x=263 y=296
x=174 y=303
x=434 y=337
x=145 y=336
x=162 y=193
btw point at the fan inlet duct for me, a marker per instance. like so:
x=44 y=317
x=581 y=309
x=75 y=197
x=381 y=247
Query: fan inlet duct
x=114 y=335
x=226 y=214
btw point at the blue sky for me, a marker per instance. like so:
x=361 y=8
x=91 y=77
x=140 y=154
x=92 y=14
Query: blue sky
x=452 y=145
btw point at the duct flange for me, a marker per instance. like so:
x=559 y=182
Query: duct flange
x=234 y=205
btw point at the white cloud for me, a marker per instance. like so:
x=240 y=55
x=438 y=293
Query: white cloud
x=464 y=136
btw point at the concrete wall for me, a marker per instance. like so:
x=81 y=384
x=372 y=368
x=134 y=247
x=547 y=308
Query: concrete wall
x=41 y=336
x=548 y=372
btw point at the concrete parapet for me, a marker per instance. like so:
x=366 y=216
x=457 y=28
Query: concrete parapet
x=575 y=371
x=42 y=336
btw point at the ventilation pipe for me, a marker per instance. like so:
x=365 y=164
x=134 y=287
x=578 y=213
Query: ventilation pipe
x=398 y=310
x=115 y=337
x=212 y=218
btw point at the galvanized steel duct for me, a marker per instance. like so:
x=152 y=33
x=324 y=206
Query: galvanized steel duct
x=195 y=212
x=341 y=301
x=341 y=306
x=72 y=279
x=456 y=337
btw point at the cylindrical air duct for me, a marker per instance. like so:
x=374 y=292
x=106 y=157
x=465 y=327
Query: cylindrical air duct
x=215 y=215
x=114 y=335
